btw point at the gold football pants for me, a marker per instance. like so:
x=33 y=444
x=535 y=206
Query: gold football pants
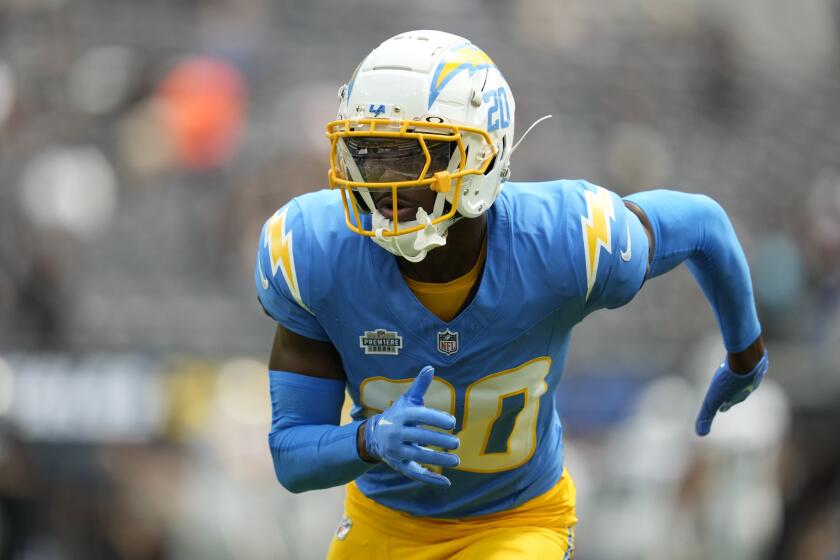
x=540 y=528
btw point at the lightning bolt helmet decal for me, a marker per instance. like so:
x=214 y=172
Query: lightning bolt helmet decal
x=460 y=57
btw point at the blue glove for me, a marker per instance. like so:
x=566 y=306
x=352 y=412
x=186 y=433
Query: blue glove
x=726 y=390
x=395 y=436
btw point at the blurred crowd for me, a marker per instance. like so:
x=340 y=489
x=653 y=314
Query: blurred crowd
x=142 y=145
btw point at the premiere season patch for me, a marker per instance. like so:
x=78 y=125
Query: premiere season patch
x=382 y=342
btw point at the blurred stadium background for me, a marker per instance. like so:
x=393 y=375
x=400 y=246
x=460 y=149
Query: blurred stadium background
x=142 y=144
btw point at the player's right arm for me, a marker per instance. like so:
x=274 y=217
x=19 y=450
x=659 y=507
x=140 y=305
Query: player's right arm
x=309 y=447
x=311 y=450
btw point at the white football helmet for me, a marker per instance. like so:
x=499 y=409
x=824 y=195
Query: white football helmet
x=425 y=109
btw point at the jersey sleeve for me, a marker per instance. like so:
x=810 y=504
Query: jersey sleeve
x=283 y=273
x=608 y=247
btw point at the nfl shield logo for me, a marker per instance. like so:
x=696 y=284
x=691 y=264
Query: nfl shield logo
x=447 y=342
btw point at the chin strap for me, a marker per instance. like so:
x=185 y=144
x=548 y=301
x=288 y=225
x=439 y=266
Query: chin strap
x=428 y=237
x=416 y=258
x=424 y=240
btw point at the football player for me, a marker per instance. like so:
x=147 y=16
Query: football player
x=443 y=304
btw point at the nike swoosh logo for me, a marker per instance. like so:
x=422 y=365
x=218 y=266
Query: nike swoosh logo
x=626 y=254
x=263 y=279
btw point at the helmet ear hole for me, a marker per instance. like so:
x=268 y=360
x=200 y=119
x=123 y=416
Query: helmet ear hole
x=499 y=156
x=490 y=167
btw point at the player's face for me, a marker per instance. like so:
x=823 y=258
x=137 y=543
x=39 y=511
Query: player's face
x=387 y=160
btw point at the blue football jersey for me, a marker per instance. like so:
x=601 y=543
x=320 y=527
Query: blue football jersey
x=556 y=251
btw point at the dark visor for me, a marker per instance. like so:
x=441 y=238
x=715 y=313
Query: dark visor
x=397 y=159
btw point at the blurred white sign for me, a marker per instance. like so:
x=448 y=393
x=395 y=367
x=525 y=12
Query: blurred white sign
x=94 y=399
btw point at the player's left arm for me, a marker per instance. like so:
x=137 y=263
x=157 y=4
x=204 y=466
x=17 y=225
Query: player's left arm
x=696 y=230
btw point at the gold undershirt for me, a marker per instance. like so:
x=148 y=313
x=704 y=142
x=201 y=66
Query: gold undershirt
x=445 y=299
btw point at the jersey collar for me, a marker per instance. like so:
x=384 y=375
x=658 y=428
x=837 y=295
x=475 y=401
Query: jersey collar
x=417 y=320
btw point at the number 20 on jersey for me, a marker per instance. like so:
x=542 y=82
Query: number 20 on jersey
x=499 y=428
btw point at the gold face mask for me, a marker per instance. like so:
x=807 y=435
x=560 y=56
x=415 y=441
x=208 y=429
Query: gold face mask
x=372 y=156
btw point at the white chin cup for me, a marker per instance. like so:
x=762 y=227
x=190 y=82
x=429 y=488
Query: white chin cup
x=413 y=246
